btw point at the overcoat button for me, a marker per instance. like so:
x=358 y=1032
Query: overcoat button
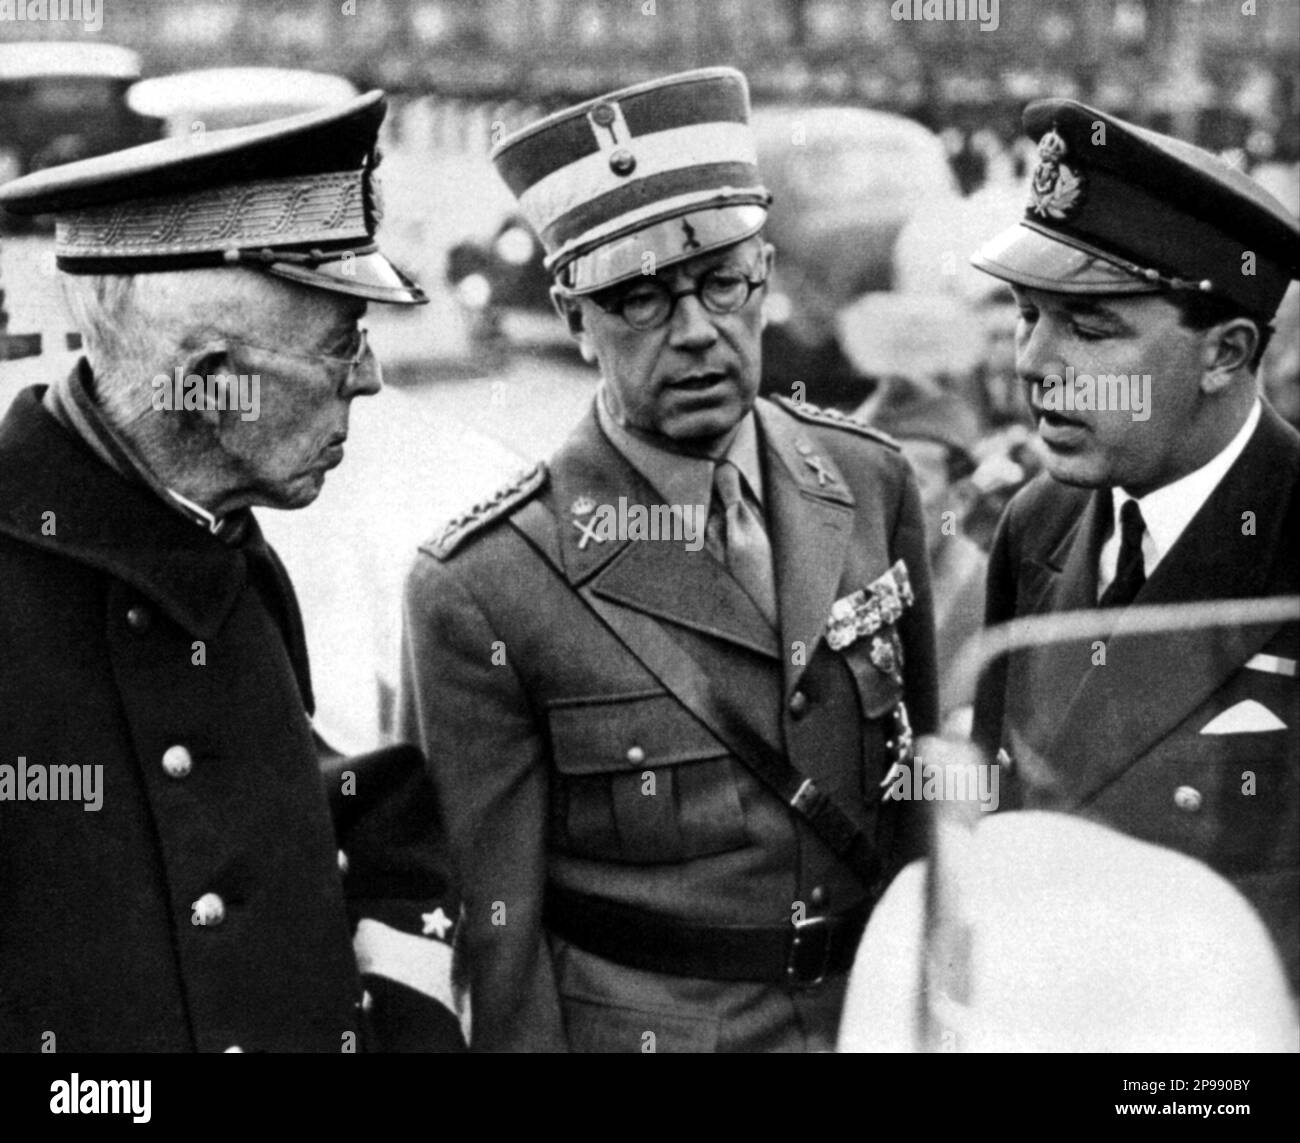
x=232 y=1048
x=343 y=862
x=208 y=910
x=819 y=896
x=636 y=755
x=798 y=704
x=1188 y=799
x=138 y=618
x=177 y=762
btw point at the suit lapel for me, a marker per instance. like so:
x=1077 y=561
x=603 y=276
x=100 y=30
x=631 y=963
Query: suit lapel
x=810 y=518
x=1076 y=588
x=1150 y=684
x=1044 y=680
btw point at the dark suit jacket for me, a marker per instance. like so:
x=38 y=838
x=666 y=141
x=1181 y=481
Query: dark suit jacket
x=1122 y=741
x=126 y=630
x=540 y=727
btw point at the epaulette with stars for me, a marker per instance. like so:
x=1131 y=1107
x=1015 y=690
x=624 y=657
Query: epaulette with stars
x=503 y=501
x=835 y=419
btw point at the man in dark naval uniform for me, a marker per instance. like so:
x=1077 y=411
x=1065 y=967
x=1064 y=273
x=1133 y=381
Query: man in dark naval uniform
x=1147 y=273
x=662 y=680
x=170 y=876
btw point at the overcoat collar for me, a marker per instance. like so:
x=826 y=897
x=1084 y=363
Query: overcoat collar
x=57 y=495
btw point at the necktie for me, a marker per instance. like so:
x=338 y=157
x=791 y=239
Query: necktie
x=1130 y=573
x=748 y=552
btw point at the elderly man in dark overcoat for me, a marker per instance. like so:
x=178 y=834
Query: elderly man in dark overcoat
x=177 y=871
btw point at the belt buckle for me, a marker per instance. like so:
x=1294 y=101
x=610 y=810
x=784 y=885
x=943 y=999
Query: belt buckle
x=810 y=945
x=808 y=799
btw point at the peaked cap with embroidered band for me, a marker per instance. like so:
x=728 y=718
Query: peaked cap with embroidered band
x=665 y=169
x=294 y=197
x=1115 y=208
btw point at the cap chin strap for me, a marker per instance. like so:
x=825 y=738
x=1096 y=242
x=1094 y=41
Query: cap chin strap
x=1145 y=273
x=313 y=257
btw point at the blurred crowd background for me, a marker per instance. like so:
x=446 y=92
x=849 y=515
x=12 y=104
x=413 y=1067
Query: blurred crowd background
x=892 y=147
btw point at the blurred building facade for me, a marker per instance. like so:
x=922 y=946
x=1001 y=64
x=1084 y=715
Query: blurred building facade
x=1219 y=71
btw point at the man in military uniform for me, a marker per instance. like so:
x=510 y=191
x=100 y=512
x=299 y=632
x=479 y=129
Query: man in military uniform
x=170 y=876
x=662 y=680
x=1146 y=269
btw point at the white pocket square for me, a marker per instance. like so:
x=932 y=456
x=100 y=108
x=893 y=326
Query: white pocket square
x=1247 y=717
x=1272 y=665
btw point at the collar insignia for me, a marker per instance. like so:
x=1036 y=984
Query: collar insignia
x=824 y=474
x=590 y=530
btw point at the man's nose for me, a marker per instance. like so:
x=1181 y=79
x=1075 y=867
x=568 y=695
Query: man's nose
x=691 y=326
x=366 y=379
x=1037 y=356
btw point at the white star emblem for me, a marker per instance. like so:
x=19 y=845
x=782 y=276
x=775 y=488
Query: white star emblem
x=436 y=923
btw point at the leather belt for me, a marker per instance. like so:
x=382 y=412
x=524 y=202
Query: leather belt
x=800 y=954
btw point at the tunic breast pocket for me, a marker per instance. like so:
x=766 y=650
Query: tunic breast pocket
x=639 y=780
x=878 y=697
x=878 y=693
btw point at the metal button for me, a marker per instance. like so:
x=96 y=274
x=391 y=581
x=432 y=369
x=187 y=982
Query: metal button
x=1005 y=761
x=798 y=704
x=208 y=910
x=232 y=1048
x=367 y=1001
x=622 y=162
x=343 y=862
x=1188 y=799
x=635 y=755
x=177 y=762
x=820 y=896
x=138 y=618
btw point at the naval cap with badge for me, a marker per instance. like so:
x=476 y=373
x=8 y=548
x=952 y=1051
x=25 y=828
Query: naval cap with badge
x=1119 y=209
x=293 y=197
x=649 y=175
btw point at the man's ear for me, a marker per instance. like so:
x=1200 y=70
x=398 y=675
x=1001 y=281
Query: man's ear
x=207 y=363
x=1227 y=351
x=570 y=310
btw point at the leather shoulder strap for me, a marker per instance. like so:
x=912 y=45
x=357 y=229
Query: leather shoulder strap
x=683 y=677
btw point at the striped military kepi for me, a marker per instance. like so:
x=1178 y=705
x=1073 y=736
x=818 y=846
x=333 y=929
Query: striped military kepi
x=1118 y=209
x=645 y=176
x=293 y=197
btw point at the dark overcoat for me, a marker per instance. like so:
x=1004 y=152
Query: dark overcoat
x=201 y=905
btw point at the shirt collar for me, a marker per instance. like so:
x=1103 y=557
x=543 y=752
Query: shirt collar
x=1167 y=511
x=682 y=479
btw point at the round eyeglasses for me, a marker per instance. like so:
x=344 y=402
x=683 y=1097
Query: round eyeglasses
x=650 y=304
x=343 y=370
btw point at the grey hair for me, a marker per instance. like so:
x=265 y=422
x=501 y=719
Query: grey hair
x=137 y=327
